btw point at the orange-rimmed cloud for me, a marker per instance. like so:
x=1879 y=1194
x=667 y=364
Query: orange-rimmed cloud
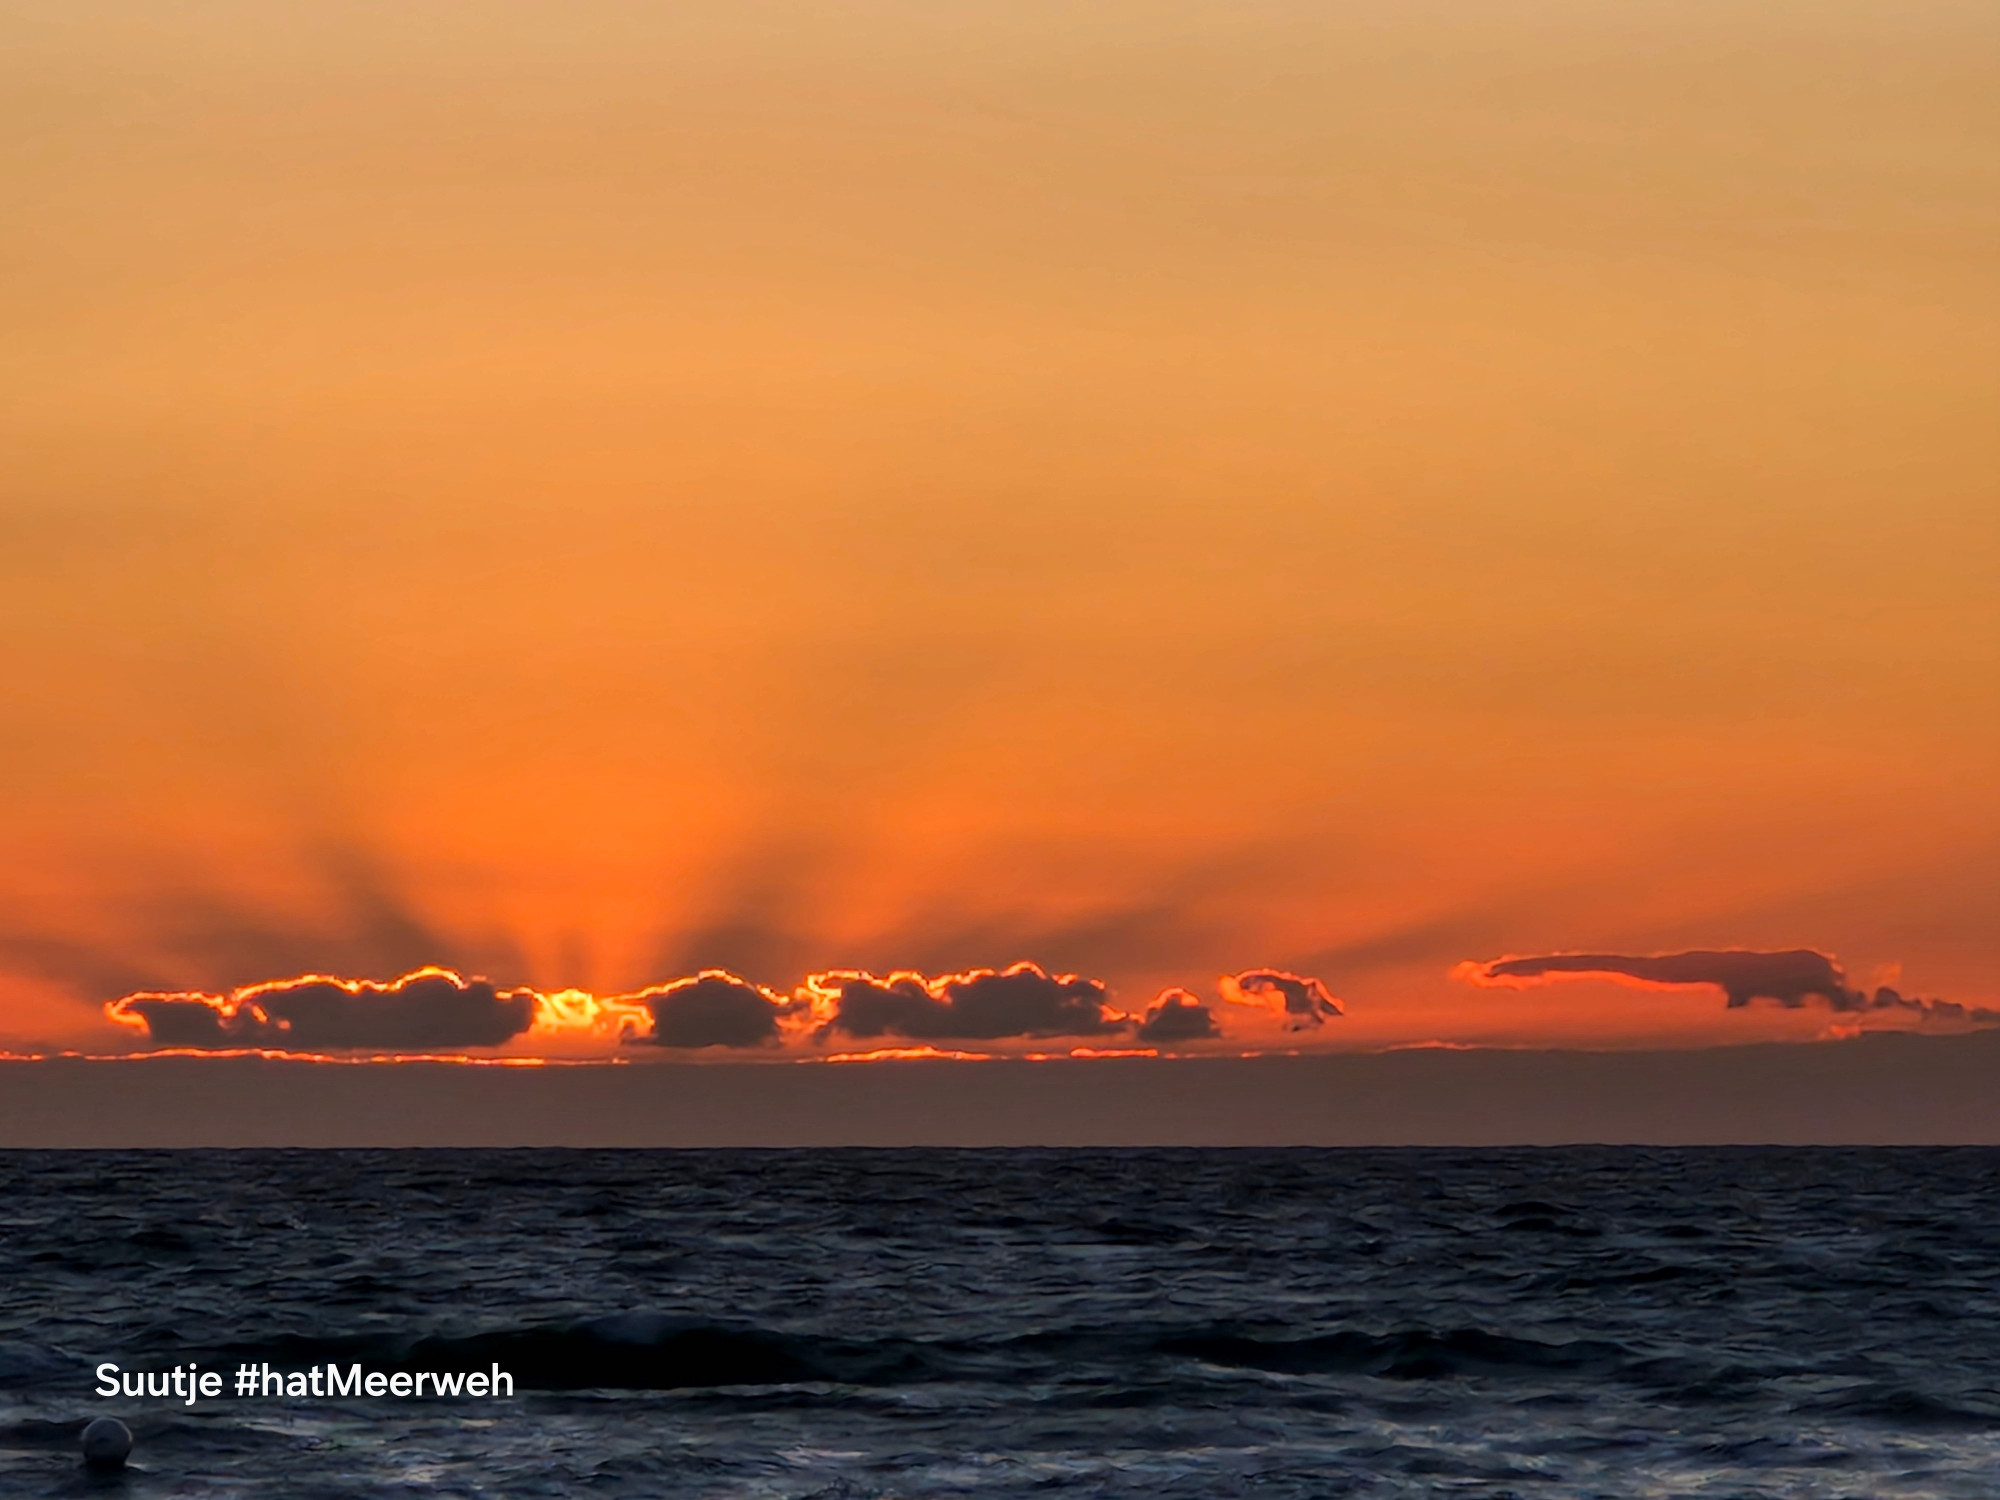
x=1177 y=1016
x=1793 y=978
x=429 y=1009
x=902 y=1054
x=1303 y=1002
x=434 y=1010
x=714 y=1008
x=1023 y=1000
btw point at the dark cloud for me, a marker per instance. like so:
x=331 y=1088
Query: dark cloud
x=1793 y=978
x=980 y=1005
x=1790 y=978
x=1177 y=1016
x=1307 y=1003
x=1885 y=998
x=426 y=1010
x=434 y=1009
x=713 y=1009
x=181 y=1020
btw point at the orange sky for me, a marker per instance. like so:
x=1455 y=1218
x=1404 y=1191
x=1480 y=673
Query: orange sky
x=584 y=494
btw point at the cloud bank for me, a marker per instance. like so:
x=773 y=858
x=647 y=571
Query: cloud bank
x=713 y=1009
x=1793 y=978
x=978 y=1005
x=1177 y=1016
x=1305 y=1003
x=428 y=1010
x=435 y=1010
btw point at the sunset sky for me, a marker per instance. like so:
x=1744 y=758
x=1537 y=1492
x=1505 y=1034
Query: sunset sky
x=1183 y=494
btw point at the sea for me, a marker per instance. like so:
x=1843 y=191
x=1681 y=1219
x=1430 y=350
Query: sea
x=860 y=1325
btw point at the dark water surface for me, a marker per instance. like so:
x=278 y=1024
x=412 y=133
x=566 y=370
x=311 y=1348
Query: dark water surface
x=849 y=1324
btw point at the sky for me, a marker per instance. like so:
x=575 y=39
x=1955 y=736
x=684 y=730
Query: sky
x=1314 y=527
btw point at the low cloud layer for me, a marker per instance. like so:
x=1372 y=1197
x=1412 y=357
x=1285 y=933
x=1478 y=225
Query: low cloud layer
x=1793 y=978
x=979 y=1005
x=1177 y=1016
x=1305 y=1003
x=435 y=1010
x=713 y=1009
x=431 y=1009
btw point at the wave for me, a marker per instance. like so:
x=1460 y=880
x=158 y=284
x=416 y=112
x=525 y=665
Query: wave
x=1411 y=1354
x=26 y=1364
x=1898 y=1406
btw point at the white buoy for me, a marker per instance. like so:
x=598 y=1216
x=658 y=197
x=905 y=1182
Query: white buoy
x=106 y=1443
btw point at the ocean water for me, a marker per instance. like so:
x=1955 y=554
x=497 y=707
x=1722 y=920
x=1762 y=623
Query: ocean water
x=845 y=1325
